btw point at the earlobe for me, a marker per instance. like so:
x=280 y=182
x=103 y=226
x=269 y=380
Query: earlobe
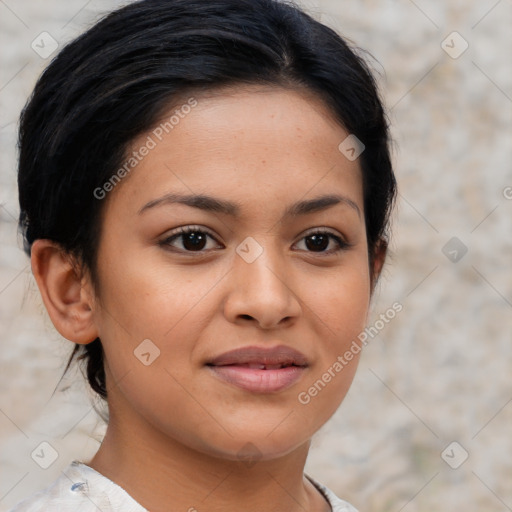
x=68 y=300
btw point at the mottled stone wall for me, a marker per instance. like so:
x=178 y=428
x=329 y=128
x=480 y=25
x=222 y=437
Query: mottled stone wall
x=434 y=384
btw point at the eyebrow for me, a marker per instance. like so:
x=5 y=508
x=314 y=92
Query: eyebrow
x=213 y=204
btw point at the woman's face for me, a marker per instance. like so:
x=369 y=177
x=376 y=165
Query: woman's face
x=252 y=275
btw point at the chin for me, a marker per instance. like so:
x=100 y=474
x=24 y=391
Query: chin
x=250 y=449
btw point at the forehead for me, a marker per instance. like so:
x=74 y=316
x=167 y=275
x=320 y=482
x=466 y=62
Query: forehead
x=255 y=143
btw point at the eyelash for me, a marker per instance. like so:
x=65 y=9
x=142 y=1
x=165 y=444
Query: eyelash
x=342 y=245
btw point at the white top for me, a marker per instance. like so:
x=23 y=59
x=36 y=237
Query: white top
x=82 y=489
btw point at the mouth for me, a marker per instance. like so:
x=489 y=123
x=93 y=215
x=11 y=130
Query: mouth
x=278 y=356
x=260 y=370
x=260 y=366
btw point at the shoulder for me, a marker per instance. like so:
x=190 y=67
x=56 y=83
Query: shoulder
x=60 y=495
x=79 y=488
x=337 y=504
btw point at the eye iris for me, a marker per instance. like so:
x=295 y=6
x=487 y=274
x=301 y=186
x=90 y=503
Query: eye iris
x=318 y=242
x=194 y=241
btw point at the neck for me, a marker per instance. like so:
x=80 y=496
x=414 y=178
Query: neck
x=156 y=470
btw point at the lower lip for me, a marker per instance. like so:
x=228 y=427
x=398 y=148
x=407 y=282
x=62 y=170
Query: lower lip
x=259 y=381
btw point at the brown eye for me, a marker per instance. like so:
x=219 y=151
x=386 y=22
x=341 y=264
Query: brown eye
x=194 y=241
x=191 y=239
x=319 y=241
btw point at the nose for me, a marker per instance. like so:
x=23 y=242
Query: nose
x=261 y=292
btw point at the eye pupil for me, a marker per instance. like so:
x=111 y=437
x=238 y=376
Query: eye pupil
x=194 y=241
x=318 y=242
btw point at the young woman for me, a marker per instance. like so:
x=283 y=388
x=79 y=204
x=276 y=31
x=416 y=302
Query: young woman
x=205 y=189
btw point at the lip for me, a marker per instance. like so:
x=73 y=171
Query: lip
x=239 y=367
x=280 y=354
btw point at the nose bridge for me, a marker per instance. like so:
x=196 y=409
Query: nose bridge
x=261 y=261
x=262 y=289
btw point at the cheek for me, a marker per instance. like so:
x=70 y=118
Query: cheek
x=339 y=312
x=154 y=309
x=341 y=303
x=143 y=298
x=149 y=319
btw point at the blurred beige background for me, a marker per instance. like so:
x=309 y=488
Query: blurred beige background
x=440 y=371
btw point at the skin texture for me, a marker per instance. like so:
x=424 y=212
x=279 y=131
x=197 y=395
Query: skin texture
x=176 y=431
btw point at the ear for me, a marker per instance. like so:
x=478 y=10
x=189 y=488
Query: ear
x=68 y=297
x=379 y=256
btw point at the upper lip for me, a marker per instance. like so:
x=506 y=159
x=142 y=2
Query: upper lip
x=280 y=354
